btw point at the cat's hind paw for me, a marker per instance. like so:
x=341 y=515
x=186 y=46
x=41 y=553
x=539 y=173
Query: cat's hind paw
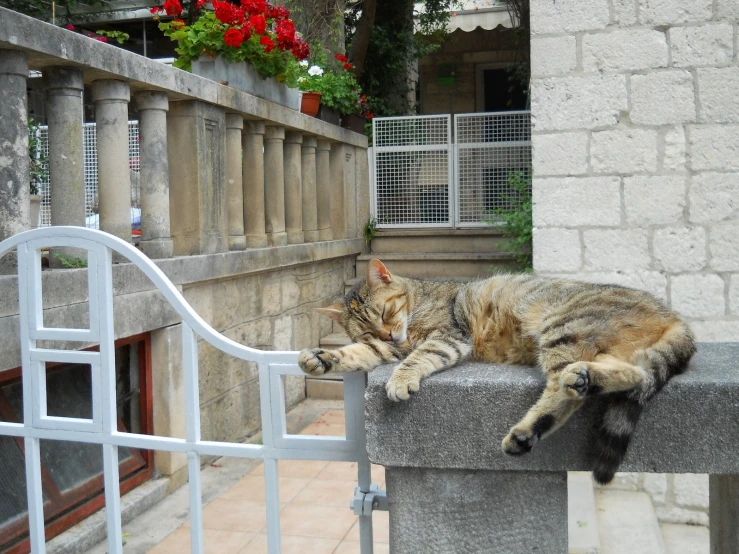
x=518 y=444
x=316 y=361
x=401 y=384
x=575 y=379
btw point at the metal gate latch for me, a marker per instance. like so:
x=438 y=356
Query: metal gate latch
x=364 y=503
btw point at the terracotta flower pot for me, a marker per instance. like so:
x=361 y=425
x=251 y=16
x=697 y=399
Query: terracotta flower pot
x=310 y=103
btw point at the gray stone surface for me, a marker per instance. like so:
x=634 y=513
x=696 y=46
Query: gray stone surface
x=459 y=417
x=274 y=185
x=724 y=509
x=476 y=512
x=627 y=523
x=42 y=40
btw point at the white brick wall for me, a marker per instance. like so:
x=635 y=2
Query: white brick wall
x=636 y=165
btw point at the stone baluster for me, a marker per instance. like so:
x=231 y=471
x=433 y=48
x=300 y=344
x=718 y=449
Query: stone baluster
x=156 y=241
x=341 y=157
x=274 y=184
x=64 y=87
x=254 y=219
x=111 y=98
x=293 y=188
x=310 y=216
x=323 y=189
x=14 y=173
x=234 y=182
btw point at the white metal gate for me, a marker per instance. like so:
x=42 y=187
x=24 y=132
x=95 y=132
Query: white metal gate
x=413 y=172
x=102 y=429
x=421 y=178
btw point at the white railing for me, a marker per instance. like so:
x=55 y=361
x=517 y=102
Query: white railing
x=424 y=175
x=102 y=427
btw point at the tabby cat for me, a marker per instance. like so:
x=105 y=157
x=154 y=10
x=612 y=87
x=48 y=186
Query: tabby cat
x=607 y=340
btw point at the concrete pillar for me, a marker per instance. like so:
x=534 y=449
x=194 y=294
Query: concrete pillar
x=197 y=177
x=274 y=184
x=234 y=182
x=254 y=218
x=111 y=99
x=343 y=193
x=293 y=188
x=64 y=86
x=323 y=189
x=168 y=395
x=15 y=202
x=723 y=511
x=451 y=510
x=310 y=215
x=156 y=241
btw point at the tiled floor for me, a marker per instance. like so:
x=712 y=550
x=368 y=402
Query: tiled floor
x=315 y=517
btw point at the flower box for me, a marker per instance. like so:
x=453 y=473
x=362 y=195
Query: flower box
x=244 y=76
x=353 y=122
x=329 y=115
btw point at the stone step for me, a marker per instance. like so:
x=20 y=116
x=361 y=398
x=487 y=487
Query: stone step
x=483 y=239
x=582 y=516
x=686 y=539
x=627 y=523
x=324 y=388
x=439 y=265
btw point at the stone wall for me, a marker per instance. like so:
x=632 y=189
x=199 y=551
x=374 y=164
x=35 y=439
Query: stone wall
x=636 y=178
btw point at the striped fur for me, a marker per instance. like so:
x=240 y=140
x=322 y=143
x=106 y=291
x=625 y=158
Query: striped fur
x=620 y=344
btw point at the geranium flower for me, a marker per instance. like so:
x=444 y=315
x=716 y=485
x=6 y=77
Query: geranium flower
x=226 y=12
x=301 y=50
x=303 y=63
x=314 y=71
x=246 y=31
x=254 y=7
x=258 y=23
x=285 y=31
x=341 y=58
x=155 y=10
x=348 y=66
x=200 y=3
x=233 y=38
x=268 y=44
x=279 y=13
x=172 y=7
x=69 y=27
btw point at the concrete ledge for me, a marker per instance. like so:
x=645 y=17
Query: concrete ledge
x=48 y=45
x=459 y=417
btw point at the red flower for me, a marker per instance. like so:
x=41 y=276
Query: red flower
x=253 y=7
x=278 y=13
x=258 y=23
x=199 y=4
x=155 y=10
x=246 y=31
x=228 y=13
x=268 y=44
x=285 y=31
x=172 y=7
x=177 y=23
x=341 y=58
x=301 y=50
x=69 y=27
x=348 y=66
x=233 y=38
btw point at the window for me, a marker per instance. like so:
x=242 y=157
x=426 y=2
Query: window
x=71 y=472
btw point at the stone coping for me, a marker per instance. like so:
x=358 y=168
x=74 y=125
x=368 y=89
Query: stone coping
x=459 y=418
x=63 y=287
x=49 y=45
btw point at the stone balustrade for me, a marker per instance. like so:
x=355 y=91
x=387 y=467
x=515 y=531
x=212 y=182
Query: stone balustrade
x=220 y=169
x=450 y=488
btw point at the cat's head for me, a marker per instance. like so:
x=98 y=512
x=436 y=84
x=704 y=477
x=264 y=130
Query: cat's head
x=378 y=306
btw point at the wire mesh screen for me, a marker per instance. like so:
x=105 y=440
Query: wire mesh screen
x=89 y=144
x=493 y=159
x=412 y=171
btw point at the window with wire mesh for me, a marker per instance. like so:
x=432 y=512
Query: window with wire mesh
x=89 y=142
x=492 y=148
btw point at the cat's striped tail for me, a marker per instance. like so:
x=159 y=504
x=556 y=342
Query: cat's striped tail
x=667 y=357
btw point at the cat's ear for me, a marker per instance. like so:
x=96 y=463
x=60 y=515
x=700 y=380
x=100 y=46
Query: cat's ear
x=335 y=312
x=377 y=273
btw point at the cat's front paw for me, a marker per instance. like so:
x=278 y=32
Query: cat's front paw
x=316 y=361
x=519 y=443
x=575 y=379
x=401 y=384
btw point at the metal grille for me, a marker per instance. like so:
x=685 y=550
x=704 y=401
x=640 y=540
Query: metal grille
x=89 y=144
x=412 y=171
x=414 y=164
x=491 y=150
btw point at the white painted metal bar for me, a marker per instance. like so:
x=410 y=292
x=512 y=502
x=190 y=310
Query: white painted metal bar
x=102 y=429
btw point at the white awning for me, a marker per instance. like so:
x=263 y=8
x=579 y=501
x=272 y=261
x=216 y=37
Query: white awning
x=487 y=18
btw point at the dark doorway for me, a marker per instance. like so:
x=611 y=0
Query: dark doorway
x=501 y=93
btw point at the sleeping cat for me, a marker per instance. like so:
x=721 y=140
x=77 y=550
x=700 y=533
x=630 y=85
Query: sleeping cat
x=607 y=340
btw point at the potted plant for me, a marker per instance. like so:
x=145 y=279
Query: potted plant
x=336 y=84
x=358 y=119
x=38 y=172
x=253 y=47
x=308 y=84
